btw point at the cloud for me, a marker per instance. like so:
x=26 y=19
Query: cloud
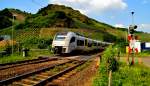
x=120 y=26
x=144 y=27
x=90 y=6
x=145 y=1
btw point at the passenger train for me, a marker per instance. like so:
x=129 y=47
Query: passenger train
x=67 y=42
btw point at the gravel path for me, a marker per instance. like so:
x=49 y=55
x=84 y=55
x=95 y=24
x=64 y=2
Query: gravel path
x=146 y=61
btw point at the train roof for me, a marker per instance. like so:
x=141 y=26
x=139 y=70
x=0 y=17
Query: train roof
x=78 y=34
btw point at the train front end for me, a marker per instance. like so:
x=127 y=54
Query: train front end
x=59 y=44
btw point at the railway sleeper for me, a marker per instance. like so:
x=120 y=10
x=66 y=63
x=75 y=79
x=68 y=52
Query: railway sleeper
x=61 y=79
x=45 y=74
x=42 y=76
x=36 y=78
x=19 y=84
x=28 y=81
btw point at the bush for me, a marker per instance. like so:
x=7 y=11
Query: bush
x=109 y=59
x=35 y=42
x=108 y=63
x=44 y=43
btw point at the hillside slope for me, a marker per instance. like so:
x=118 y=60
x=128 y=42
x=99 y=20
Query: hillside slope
x=6 y=17
x=49 y=18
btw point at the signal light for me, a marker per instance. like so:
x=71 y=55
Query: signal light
x=131 y=28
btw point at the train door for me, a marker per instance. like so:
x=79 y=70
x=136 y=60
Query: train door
x=72 y=44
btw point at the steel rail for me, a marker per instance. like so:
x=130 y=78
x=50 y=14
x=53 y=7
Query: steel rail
x=26 y=62
x=10 y=80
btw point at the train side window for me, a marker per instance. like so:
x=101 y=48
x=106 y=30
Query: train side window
x=89 y=44
x=72 y=39
x=94 y=43
x=85 y=43
x=80 y=42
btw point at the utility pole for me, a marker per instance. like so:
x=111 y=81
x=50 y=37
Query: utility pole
x=132 y=18
x=13 y=33
x=133 y=38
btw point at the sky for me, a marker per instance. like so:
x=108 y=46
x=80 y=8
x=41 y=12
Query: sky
x=113 y=12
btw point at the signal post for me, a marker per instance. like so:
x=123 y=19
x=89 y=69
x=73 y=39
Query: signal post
x=132 y=39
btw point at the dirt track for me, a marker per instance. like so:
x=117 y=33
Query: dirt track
x=146 y=61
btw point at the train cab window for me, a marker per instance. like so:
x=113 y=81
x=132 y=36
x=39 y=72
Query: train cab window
x=60 y=38
x=72 y=39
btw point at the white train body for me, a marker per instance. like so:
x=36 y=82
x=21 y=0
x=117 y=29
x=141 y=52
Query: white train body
x=66 y=42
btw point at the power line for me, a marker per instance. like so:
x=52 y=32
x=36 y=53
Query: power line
x=36 y=3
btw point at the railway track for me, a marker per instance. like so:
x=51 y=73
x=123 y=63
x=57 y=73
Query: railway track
x=43 y=75
x=26 y=62
x=18 y=69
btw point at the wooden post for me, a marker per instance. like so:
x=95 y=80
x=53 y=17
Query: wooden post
x=110 y=78
x=127 y=60
x=132 y=62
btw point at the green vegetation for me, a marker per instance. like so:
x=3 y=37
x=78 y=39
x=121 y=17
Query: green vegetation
x=64 y=17
x=108 y=63
x=36 y=31
x=4 y=17
x=144 y=53
x=14 y=58
x=137 y=75
x=122 y=74
x=33 y=54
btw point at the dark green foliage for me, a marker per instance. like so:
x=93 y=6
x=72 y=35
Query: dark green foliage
x=5 y=16
x=31 y=40
x=44 y=43
x=112 y=64
x=5 y=22
x=34 y=42
x=20 y=26
x=9 y=49
x=1 y=38
x=6 y=52
x=6 y=13
x=60 y=15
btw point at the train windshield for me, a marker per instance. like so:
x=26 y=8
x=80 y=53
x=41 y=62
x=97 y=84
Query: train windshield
x=61 y=36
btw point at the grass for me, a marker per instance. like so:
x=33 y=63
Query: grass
x=124 y=75
x=137 y=75
x=32 y=55
x=14 y=58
